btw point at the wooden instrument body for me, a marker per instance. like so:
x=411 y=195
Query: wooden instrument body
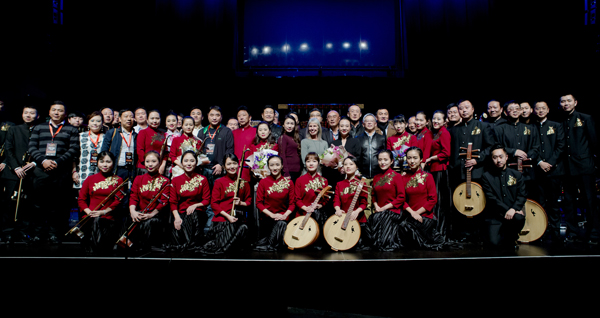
x=536 y=222
x=469 y=206
x=297 y=237
x=338 y=238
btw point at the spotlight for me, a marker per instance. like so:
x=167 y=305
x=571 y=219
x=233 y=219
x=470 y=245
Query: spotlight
x=304 y=47
x=346 y=45
x=254 y=51
x=329 y=45
x=266 y=50
x=285 y=48
x=363 y=45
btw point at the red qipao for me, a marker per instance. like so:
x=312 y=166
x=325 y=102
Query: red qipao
x=344 y=193
x=145 y=188
x=388 y=188
x=424 y=141
x=181 y=142
x=307 y=189
x=440 y=147
x=95 y=189
x=420 y=192
x=148 y=139
x=277 y=196
x=397 y=141
x=189 y=190
x=223 y=193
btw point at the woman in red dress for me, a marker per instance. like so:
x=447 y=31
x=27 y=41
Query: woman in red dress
x=289 y=148
x=418 y=228
x=150 y=230
x=228 y=231
x=424 y=135
x=275 y=200
x=307 y=188
x=262 y=141
x=388 y=200
x=151 y=138
x=402 y=140
x=180 y=144
x=438 y=166
x=101 y=235
x=189 y=197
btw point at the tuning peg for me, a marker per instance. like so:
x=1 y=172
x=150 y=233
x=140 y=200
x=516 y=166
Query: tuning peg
x=474 y=156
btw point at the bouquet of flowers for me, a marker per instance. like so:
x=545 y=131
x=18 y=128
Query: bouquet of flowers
x=399 y=157
x=333 y=157
x=258 y=162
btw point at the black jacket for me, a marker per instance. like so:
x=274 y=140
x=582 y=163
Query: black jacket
x=504 y=189
x=15 y=149
x=552 y=146
x=369 y=148
x=481 y=136
x=223 y=143
x=581 y=141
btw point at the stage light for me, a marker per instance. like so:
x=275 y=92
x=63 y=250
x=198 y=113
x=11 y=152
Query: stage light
x=329 y=45
x=346 y=45
x=363 y=45
x=286 y=48
x=266 y=50
x=304 y=47
x=254 y=51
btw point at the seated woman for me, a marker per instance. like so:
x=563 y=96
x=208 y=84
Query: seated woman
x=149 y=231
x=388 y=199
x=307 y=189
x=96 y=201
x=276 y=200
x=228 y=231
x=418 y=228
x=189 y=197
x=344 y=194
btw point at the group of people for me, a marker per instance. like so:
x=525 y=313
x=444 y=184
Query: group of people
x=140 y=184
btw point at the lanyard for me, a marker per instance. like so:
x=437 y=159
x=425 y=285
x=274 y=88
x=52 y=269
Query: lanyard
x=127 y=143
x=97 y=139
x=52 y=131
x=213 y=135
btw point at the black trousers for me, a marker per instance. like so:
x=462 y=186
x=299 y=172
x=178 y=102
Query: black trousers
x=584 y=187
x=499 y=232
x=548 y=192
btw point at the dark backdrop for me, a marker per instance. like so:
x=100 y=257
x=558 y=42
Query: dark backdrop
x=175 y=53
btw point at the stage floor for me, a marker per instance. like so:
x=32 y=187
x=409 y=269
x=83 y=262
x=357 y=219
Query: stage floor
x=309 y=283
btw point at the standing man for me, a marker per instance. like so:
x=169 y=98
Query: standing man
x=452 y=115
x=268 y=115
x=581 y=143
x=18 y=167
x=480 y=134
x=354 y=114
x=53 y=146
x=371 y=144
x=141 y=118
x=383 y=123
x=107 y=118
x=243 y=136
x=121 y=143
x=196 y=113
x=494 y=115
x=219 y=142
x=333 y=133
x=549 y=168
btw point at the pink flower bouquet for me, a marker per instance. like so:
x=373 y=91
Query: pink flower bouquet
x=333 y=157
x=258 y=162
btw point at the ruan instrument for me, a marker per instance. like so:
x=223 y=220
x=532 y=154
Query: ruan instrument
x=464 y=201
x=19 y=193
x=341 y=233
x=536 y=219
x=302 y=231
x=77 y=228
x=124 y=240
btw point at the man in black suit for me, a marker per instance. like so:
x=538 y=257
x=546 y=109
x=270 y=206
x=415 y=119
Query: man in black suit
x=17 y=167
x=549 y=168
x=581 y=141
x=268 y=115
x=506 y=195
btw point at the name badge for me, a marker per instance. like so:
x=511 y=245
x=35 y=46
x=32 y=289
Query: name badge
x=94 y=158
x=129 y=158
x=210 y=149
x=51 y=149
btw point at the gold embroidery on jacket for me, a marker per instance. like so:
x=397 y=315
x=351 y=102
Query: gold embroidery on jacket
x=157 y=137
x=476 y=131
x=266 y=146
x=231 y=187
x=527 y=131
x=418 y=178
x=579 y=123
x=110 y=181
x=191 y=185
x=511 y=181
x=152 y=185
x=550 y=130
x=350 y=189
x=401 y=142
x=315 y=184
x=278 y=187
x=189 y=144
x=387 y=178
